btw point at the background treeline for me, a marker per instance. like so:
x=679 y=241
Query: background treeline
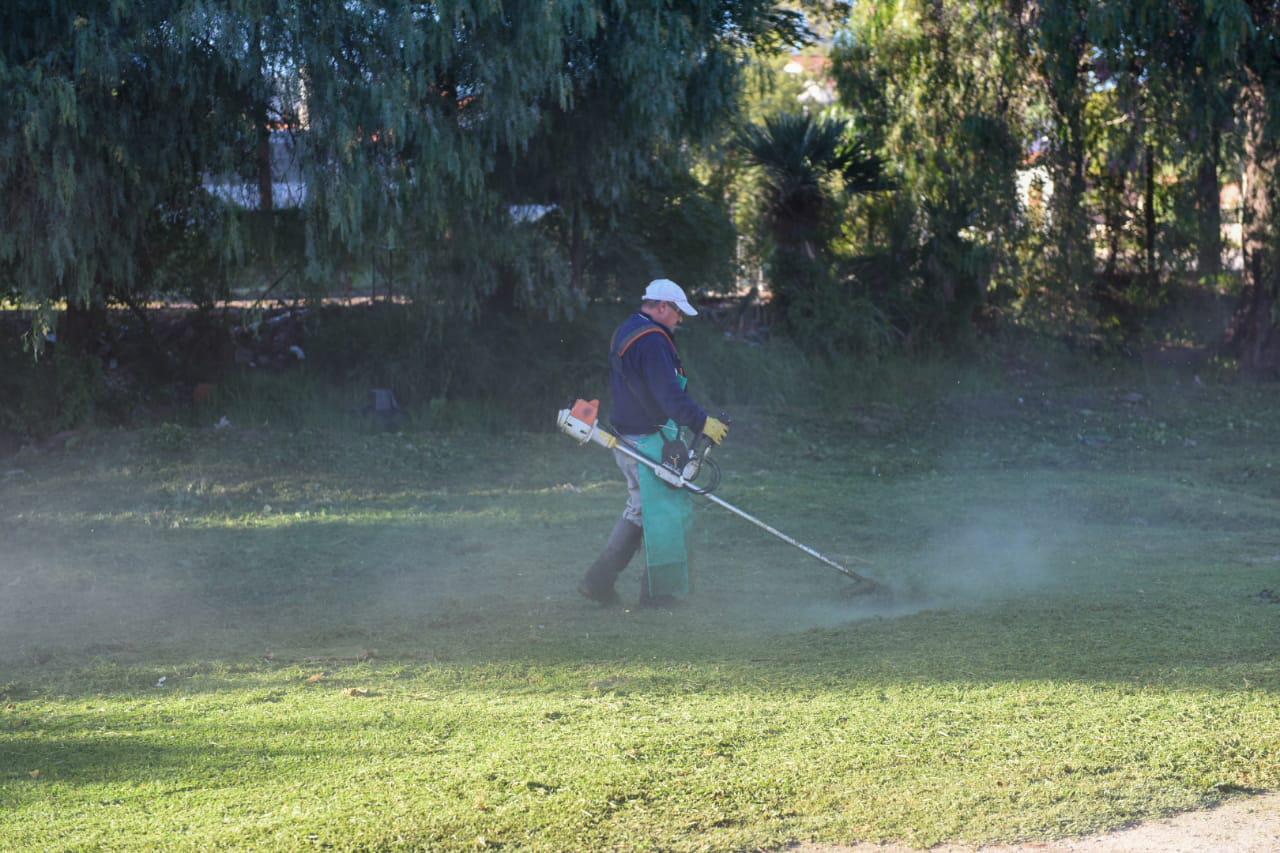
x=981 y=168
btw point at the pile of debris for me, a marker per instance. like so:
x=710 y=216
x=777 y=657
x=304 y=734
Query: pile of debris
x=272 y=341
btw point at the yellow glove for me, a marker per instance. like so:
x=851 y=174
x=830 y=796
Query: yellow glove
x=715 y=429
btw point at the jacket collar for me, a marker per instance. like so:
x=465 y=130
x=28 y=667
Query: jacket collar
x=662 y=326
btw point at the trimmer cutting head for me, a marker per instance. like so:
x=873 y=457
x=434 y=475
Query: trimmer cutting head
x=864 y=589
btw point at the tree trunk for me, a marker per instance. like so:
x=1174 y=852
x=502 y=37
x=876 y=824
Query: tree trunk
x=1073 y=239
x=1149 y=218
x=1254 y=333
x=577 y=248
x=265 y=201
x=260 y=118
x=1063 y=43
x=1209 y=205
x=1113 y=190
x=83 y=326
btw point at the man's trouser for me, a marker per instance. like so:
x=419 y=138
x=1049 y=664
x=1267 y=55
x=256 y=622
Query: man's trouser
x=634 y=510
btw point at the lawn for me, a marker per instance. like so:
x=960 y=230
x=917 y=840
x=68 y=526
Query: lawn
x=257 y=637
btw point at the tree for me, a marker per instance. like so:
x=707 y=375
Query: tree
x=1061 y=53
x=100 y=147
x=643 y=89
x=1134 y=103
x=1255 y=334
x=406 y=116
x=939 y=89
x=1167 y=73
x=805 y=164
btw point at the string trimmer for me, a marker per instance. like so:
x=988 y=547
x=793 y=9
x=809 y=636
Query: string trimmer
x=679 y=468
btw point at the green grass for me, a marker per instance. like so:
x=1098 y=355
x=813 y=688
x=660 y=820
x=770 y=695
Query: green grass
x=1075 y=641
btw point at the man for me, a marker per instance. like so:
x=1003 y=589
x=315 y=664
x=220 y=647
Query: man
x=650 y=404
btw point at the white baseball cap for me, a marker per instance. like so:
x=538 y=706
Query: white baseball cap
x=666 y=290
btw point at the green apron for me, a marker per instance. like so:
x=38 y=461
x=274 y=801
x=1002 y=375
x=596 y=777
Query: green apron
x=668 y=520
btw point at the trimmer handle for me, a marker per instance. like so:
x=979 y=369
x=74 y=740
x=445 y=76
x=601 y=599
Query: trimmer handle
x=702 y=445
x=701 y=438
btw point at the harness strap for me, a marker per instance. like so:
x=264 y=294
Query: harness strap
x=629 y=340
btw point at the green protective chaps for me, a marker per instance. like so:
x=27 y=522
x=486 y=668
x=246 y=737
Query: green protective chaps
x=668 y=520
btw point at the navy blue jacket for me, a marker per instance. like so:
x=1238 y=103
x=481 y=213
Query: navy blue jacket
x=644 y=379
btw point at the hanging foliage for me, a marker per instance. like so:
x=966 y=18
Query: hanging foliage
x=411 y=128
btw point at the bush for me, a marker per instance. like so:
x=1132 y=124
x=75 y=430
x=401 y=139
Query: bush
x=167 y=438
x=60 y=391
x=508 y=373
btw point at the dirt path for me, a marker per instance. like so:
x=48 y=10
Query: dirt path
x=1241 y=826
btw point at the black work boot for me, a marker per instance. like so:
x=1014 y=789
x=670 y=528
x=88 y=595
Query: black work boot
x=624 y=541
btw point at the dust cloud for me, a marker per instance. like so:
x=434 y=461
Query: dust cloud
x=1007 y=547
x=461 y=568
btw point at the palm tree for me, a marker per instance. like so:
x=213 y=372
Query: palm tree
x=804 y=163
